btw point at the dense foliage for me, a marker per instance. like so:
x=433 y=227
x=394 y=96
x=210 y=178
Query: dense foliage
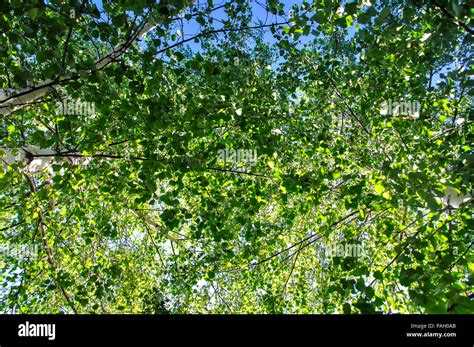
x=127 y=208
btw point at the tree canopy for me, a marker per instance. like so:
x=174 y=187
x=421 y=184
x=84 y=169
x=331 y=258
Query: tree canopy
x=236 y=157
